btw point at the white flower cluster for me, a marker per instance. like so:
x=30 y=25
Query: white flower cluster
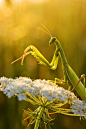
x=20 y=85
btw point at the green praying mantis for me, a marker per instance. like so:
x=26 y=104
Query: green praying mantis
x=68 y=73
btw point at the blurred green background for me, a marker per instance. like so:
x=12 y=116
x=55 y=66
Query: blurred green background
x=65 y=19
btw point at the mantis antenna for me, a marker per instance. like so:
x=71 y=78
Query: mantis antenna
x=47 y=31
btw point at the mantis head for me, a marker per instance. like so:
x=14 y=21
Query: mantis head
x=52 y=40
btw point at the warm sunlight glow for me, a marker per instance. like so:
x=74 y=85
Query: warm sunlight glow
x=37 y=0
x=18 y=1
x=1 y=2
x=30 y=0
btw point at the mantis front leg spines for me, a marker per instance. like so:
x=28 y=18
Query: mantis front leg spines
x=69 y=74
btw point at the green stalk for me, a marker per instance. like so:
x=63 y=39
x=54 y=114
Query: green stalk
x=39 y=117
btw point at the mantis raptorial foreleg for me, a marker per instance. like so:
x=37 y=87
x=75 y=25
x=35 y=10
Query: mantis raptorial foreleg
x=39 y=57
x=42 y=60
x=69 y=75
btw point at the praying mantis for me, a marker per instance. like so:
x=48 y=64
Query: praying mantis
x=68 y=73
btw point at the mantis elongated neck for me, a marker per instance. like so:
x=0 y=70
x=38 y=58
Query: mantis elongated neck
x=62 y=54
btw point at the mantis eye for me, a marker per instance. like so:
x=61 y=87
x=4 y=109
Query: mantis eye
x=52 y=40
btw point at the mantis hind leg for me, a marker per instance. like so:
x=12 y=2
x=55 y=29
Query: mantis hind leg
x=82 y=77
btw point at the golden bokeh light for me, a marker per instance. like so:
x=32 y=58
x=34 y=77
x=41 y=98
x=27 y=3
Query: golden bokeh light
x=19 y=19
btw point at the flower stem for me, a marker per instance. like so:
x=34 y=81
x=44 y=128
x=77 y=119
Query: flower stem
x=39 y=117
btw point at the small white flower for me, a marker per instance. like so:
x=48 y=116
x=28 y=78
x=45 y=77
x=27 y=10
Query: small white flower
x=21 y=97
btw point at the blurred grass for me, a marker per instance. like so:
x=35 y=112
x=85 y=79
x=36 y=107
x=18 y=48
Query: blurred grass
x=18 y=28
